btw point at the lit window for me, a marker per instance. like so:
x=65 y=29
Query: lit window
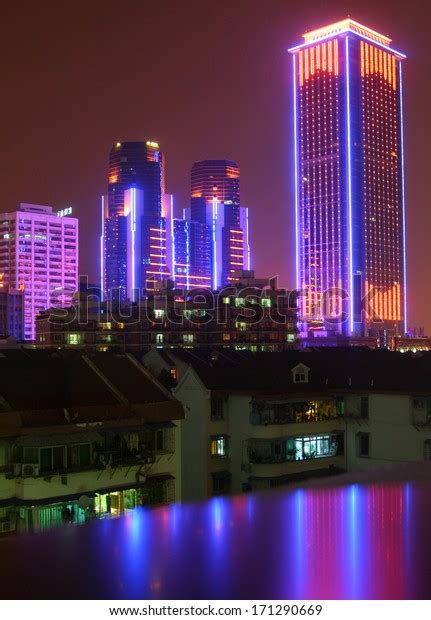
x=219 y=445
x=160 y=338
x=74 y=339
x=266 y=302
x=188 y=338
x=159 y=314
x=226 y=300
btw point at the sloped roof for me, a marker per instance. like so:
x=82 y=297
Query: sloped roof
x=32 y=379
x=330 y=369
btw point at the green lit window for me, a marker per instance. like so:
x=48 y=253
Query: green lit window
x=239 y=301
x=226 y=300
x=74 y=338
x=188 y=338
x=219 y=445
x=266 y=302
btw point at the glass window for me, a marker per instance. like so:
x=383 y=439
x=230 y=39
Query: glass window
x=219 y=445
x=74 y=338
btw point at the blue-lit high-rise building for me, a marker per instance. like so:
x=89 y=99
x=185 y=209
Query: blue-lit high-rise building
x=191 y=252
x=215 y=204
x=349 y=180
x=134 y=252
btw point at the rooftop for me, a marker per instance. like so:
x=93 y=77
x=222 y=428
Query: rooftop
x=331 y=369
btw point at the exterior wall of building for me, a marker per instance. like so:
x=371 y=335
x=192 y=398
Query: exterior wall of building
x=12 y=313
x=194 y=438
x=39 y=254
x=233 y=470
x=398 y=431
x=31 y=499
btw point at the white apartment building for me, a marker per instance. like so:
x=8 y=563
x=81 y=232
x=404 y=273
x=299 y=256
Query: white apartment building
x=277 y=418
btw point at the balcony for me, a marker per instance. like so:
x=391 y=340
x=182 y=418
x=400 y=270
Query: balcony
x=294 y=412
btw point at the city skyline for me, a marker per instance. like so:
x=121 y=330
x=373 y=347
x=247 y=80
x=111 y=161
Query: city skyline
x=226 y=138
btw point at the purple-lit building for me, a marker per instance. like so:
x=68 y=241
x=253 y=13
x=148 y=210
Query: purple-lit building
x=39 y=255
x=349 y=181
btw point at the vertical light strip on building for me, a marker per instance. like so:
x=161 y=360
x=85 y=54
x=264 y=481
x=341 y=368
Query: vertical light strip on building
x=214 y=222
x=102 y=250
x=349 y=186
x=404 y=197
x=133 y=229
x=248 y=242
x=295 y=114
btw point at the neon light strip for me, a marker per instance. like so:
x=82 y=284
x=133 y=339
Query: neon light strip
x=133 y=229
x=187 y=254
x=295 y=131
x=102 y=250
x=403 y=199
x=292 y=50
x=349 y=186
x=248 y=242
x=214 y=243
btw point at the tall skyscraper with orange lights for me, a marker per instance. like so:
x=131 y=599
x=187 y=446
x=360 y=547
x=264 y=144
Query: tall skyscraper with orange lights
x=134 y=252
x=215 y=202
x=349 y=181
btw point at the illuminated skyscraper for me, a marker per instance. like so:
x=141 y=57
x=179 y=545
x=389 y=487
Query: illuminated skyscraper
x=215 y=202
x=133 y=244
x=216 y=177
x=349 y=180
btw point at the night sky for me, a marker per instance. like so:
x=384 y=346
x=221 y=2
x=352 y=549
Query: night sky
x=205 y=80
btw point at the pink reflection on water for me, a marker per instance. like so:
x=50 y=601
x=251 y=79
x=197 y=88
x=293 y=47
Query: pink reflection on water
x=354 y=541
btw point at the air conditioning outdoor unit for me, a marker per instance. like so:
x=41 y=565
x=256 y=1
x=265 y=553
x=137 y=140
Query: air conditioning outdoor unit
x=7 y=526
x=30 y=469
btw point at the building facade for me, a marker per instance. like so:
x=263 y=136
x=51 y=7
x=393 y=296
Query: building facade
x=267 y=420
x=39 y=255
x=349 y=181
x=106 y=446
x=133 y=241
x=242 y=316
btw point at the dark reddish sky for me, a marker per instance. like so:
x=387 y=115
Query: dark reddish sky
x=205 y=79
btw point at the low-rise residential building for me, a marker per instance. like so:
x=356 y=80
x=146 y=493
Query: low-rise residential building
x=281 y=417
x=83 y=436
x=238 y=317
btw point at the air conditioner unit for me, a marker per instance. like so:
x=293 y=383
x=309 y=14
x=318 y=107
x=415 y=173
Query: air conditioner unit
x=7 y=526
x=30 y=469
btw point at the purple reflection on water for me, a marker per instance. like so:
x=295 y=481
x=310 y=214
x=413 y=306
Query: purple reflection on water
x=354 y=541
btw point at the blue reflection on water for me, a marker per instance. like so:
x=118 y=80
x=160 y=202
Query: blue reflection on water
x=354 y=541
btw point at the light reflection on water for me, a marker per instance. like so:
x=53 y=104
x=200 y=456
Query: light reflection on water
x=352 y=541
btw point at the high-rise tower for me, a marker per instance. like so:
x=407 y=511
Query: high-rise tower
x=134 y=228
x=349 y=180
x=215 y=202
